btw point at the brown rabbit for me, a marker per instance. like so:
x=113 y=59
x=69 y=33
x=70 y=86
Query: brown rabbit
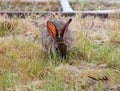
x=57 y=37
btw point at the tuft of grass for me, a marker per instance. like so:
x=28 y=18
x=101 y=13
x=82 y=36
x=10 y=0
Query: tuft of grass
x=15 y=26
x=115 y=38
x=81 y=46
x=6 y=27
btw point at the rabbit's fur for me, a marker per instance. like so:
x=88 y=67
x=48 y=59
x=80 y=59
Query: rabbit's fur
x=49 y=41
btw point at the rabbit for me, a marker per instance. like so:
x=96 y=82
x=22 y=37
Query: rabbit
x=57 y=38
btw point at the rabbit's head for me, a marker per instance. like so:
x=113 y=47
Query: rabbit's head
x=60 y=46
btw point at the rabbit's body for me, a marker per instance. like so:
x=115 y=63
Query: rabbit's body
x=48 y=42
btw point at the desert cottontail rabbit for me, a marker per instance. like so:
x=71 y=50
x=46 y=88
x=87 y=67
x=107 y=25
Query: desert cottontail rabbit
x=57 y=37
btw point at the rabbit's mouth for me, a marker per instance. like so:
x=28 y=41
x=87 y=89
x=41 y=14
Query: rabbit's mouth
x=61 y=49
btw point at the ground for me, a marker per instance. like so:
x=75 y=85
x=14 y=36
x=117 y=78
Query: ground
x=92 y=64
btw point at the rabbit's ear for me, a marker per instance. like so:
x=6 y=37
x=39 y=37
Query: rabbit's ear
x=65 y=27
x=52 y=29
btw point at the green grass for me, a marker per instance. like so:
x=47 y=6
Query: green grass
x=24 y=66
x=16 y=61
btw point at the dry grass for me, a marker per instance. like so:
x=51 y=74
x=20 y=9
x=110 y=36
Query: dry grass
x=22 y=25
x=98 y=5
x=17 y=5
x=23 y=64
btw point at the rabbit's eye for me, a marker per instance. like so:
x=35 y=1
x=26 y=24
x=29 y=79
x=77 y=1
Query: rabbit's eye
x=56 y=48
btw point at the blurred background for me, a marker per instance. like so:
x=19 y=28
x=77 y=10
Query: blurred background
x=54 y=5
